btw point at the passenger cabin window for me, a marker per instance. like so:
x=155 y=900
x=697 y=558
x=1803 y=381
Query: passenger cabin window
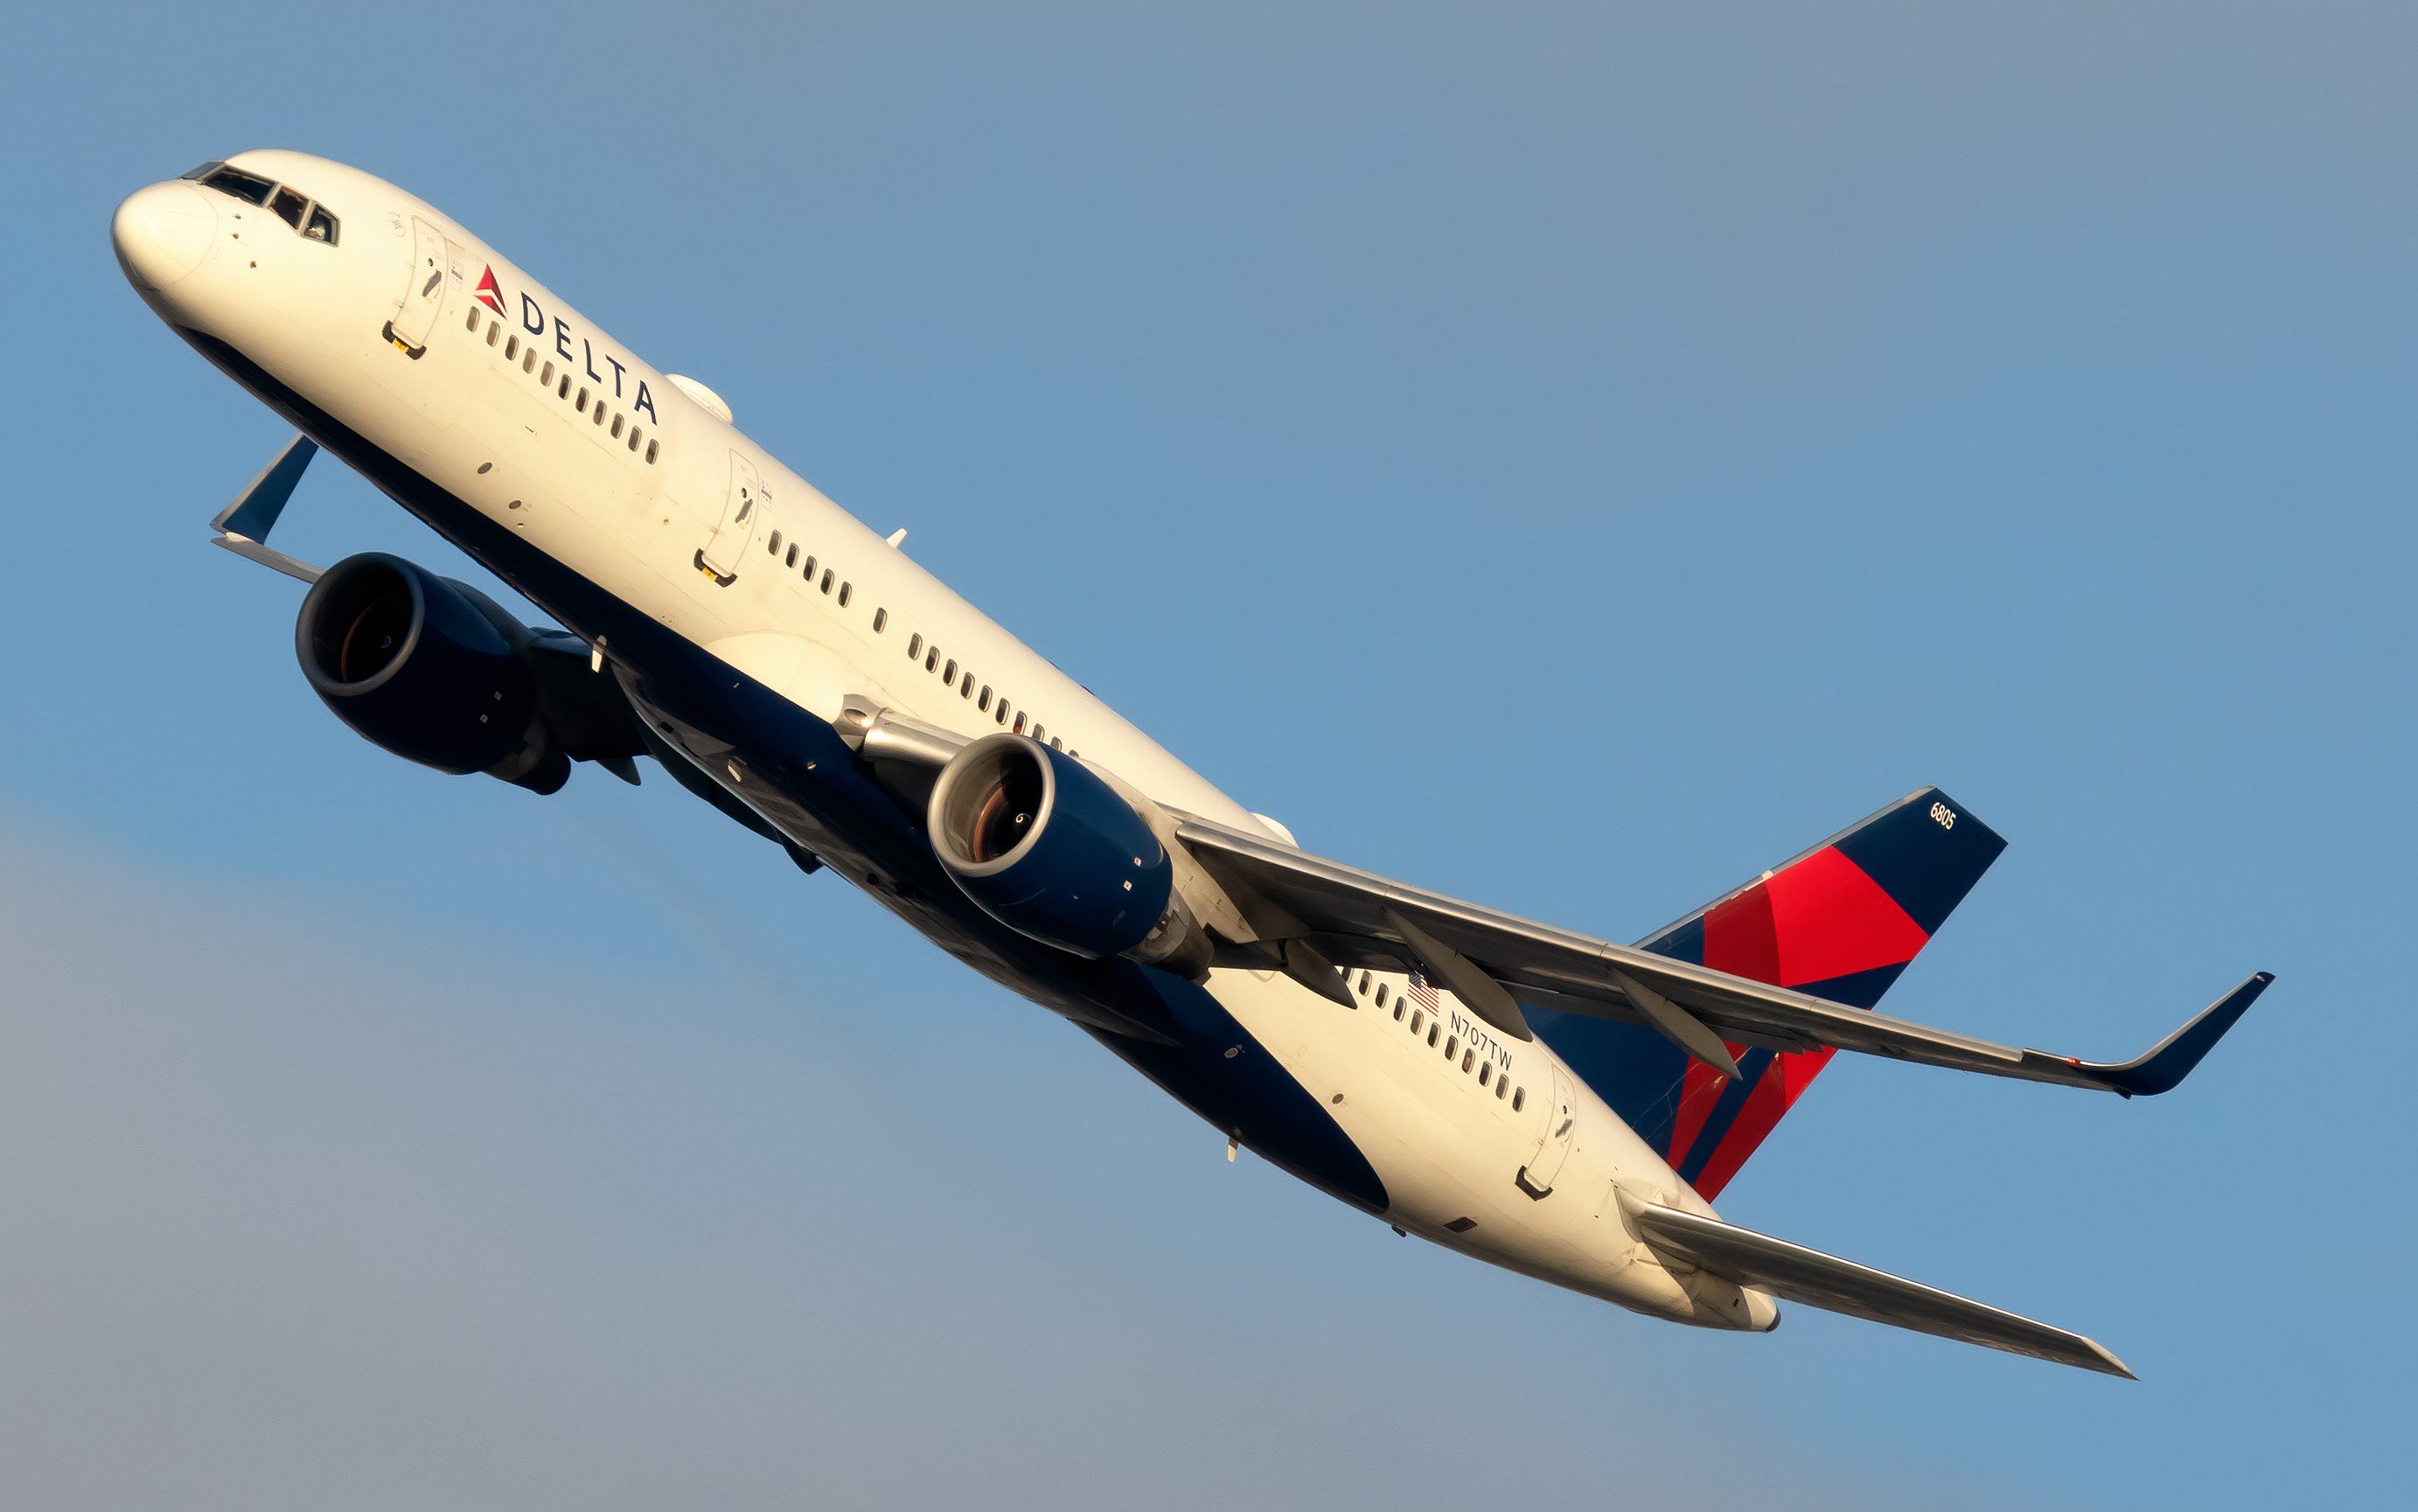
x=881 y=621
x=1519 y=1099
x=915 y=646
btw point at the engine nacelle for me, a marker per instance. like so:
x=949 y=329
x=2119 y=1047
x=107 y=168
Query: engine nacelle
x=1045 y=846
x=426 y=668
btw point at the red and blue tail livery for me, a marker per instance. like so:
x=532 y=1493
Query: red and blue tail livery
x=1840 y=922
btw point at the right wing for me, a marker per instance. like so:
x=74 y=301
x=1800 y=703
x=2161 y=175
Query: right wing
x=1800 y=1274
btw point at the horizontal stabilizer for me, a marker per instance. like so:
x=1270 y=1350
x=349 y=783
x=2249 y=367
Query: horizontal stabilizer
x=1797 y=1273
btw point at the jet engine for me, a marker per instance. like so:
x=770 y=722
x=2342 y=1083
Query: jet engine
x=429 y=669
x=1046 y=846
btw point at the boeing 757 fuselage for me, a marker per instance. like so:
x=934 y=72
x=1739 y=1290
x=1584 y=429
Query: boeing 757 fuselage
x=1558 y=1105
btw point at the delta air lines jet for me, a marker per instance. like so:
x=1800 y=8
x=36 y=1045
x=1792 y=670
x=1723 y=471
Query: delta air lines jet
x=1558 y=1105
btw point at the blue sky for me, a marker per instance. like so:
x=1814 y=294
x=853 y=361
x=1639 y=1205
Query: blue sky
x=1572 y=458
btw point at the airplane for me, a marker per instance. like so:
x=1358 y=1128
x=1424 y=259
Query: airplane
x=1563 y=1107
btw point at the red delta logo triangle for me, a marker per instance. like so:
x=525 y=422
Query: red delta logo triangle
x=489 y=295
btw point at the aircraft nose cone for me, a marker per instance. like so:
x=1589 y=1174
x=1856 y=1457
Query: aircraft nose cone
x=162 y=233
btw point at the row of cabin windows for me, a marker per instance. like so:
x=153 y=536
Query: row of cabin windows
x=533 y=362
x=1002 y=709
x=817 y=575
x=1419 y=1019
x=772 y=547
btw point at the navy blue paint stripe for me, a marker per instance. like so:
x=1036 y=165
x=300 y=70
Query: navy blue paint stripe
x=1751 y=1067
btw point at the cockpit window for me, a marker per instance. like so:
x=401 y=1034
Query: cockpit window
x=292 y=206
x=243 y=186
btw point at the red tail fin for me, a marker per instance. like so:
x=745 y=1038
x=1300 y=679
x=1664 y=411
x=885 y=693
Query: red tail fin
x=1841 y=922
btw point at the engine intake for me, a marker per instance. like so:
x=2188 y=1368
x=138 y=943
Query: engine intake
x=1044 y=845
x=427 y=668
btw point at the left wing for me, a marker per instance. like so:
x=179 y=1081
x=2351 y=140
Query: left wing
x=1356 y=918
x=1306 y=916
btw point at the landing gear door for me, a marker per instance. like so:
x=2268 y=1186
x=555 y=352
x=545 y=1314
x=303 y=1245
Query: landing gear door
x=1554 y=1141
x=424 y=292
x=740 y=506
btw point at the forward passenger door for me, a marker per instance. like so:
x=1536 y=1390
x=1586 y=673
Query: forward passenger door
x=1554 y=1140
x=424 y=293
x=741 y=506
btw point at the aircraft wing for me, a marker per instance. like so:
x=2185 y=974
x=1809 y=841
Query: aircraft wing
x=1356 y=918
x=1797 y=1273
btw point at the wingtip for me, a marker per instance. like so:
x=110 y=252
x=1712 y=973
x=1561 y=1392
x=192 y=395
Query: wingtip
x=2164 y=1068
x=2105 y=1362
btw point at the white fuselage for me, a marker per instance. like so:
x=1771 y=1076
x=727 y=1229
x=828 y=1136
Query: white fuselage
x=524 y=412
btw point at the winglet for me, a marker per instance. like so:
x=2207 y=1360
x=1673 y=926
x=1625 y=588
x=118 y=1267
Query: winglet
x=2164 y=1068
x=243 y=526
